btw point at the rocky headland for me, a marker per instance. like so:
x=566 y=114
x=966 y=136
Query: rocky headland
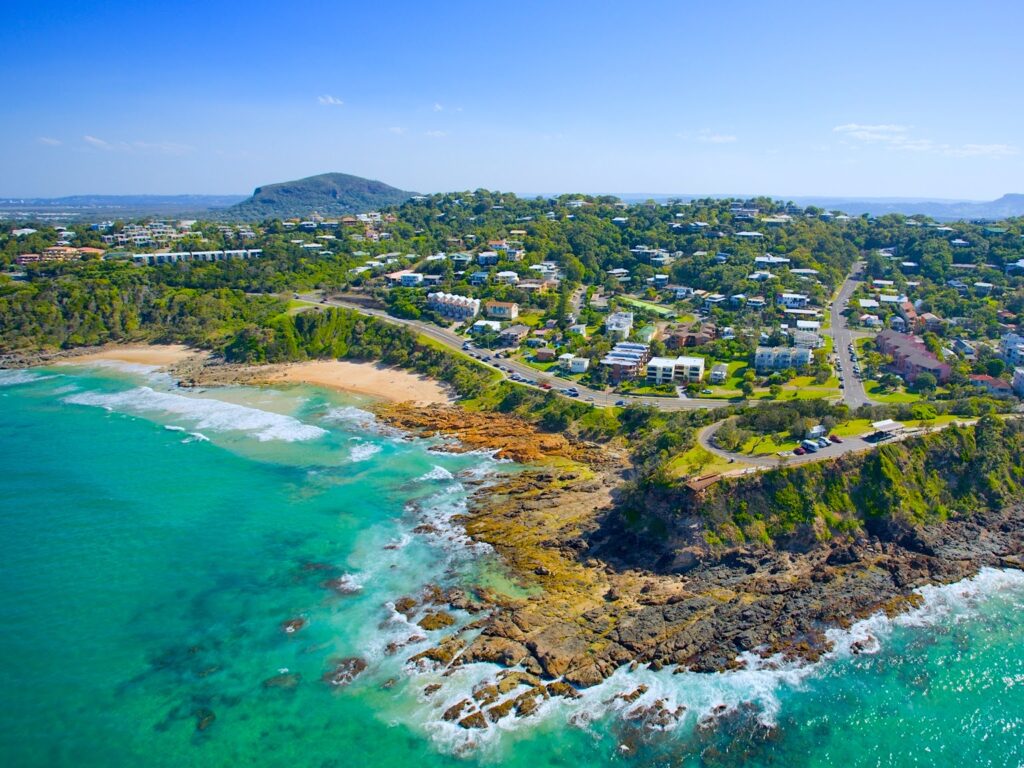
x=610 y=586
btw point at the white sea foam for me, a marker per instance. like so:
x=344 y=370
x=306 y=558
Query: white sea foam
x=196 y=437
x=437 y=473
x=702 y=698
x=10 y=377
x=363 y=451
x=203 y=413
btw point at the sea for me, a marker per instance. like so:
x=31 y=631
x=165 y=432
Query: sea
x=180 y=568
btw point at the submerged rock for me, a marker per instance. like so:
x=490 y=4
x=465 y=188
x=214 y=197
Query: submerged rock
x=292 y=626
x=204 y=718
x=436 y=620
x=287 y=680
x=344 y=671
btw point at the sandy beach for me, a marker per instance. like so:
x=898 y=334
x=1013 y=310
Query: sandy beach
x=363 y=378
x=139 y=354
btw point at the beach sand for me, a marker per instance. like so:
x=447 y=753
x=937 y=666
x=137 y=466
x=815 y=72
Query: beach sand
x=363 y=378
x=139 y=354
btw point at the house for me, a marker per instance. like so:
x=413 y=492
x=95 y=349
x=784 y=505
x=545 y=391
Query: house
x=1011 y=349
x=867 y=303
x=794 y=300
x=1018 y=382
x=453 y=306
x=807 y=339
x=479 y=278
x=502 y=310
x=565 y=360
x=870 y=321
x=619 y=325
x=910 y=356
x=662 y=370
x=508 y=277
x=818 y=430
x=411 y=279
x=484 y=326
x=682 y=292
x=781 y=358
x=544 y=355
x=719 y=373
x=990 y=384
x=756 y=302
x=625 y=360
x=487 y=258
x=513 y=335
x=694 y=337
x=713 y=300
x=579 y=365
x=580 y=328
x=770 y=259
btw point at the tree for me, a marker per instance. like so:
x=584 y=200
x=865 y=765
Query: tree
x=995 y=367
x=925 y=382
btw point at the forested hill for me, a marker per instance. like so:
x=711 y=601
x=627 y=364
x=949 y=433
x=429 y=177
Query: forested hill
x=329 y=194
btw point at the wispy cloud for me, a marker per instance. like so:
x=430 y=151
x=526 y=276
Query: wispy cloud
x=396 y=129
x=707 y=136
x=436 y=134
x=92 y=141
x=899 y=137
x=438 y=107
x=49 y=141
x=141 y=147
x=329 y=101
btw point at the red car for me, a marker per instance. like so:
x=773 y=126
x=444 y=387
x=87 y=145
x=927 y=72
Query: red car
x=545 y=385
x=799 y=451
x=835 y=438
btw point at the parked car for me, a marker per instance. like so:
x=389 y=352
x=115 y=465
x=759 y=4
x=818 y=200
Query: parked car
x=705 y=391
x=545 y=385
x=810 y=446
x=620 y=402
x=799 y=451
x=835 y=438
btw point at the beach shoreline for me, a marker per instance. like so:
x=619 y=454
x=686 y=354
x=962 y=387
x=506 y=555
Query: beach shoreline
x=196 y=367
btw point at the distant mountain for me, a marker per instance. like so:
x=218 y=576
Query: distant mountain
x=329 y=194
x=93 y=207
x=943 y=210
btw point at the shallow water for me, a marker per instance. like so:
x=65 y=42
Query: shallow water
x=155 y=541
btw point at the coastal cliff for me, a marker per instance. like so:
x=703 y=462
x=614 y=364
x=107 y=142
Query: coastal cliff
x=622 y=572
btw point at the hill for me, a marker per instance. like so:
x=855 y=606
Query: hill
x=329 y=194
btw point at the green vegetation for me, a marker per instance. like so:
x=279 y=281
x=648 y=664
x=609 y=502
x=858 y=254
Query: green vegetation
x=329 y=194
x=955 y=471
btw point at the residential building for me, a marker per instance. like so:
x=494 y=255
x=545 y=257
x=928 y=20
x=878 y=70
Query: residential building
x=580 y=328
x=513 y=335
x=619 y=325
x=719 y=373
x=781 y=358
x=484 y=326
x=502 y=310
x=663 y=370
x=172 y=258
x=411 y=279
x=508 y=277
x=625 y=360
x=1018 y=382
x=544 y=355
x=579 y=365
x=990 y=384
x=910 y=356
x=487 y=258
x=1011 y=349
x=794 y=300
x=453 y=306
x=479 y=278
x=807 y=339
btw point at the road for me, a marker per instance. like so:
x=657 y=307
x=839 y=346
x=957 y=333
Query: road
x=507 y=367
x=842 y=337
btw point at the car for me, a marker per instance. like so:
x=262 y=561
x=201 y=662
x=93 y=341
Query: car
x=590 y=399
x=620 y=402
x=545 y=385
x=487 y=359
x=841 y=385
x=705 y=392
x=835 y=438
x=799 y=451
x=822 y=442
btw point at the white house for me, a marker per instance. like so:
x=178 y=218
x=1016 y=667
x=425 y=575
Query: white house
x=794 y=300
x=619 y=325
x=719 y=373
x=781 y=358
x=579 y=365
x=662 y=370
x=1018 y=381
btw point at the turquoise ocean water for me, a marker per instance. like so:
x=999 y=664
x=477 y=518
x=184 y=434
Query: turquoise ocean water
x=155 y=541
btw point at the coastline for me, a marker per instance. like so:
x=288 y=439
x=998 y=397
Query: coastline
x=196 y=367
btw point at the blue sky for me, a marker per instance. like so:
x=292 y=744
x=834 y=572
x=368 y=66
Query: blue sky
x=867 y=99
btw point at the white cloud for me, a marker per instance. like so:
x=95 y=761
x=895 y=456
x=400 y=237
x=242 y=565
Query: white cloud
x=716 y=138
x=396 y=129
x=139 y=147
x=707 y=136
x=438 y=107
x=329 y=101
x=92 y=141
x=897 y=137
x=49 y=141
x=436 y=134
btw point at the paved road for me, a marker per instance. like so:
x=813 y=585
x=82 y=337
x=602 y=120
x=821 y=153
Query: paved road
x=843 y=336
x=849 y=445
x=507 y=367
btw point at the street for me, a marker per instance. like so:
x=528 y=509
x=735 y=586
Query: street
x=842 y=336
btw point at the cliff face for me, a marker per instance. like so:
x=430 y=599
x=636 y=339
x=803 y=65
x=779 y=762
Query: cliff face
x=928 y=480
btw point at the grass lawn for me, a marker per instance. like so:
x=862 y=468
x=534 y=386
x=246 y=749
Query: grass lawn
x=899 y=396
x=649 y=390
x=766 y=445
x=698 y=462
x=647 y=306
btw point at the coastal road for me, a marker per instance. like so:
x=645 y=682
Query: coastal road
x=842 y=337
x=507 y=367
